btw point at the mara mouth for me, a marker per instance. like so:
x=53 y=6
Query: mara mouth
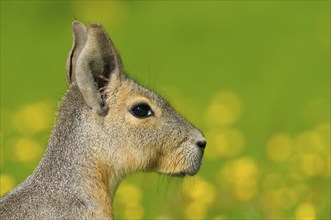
x=190 y=172
x=189 y=168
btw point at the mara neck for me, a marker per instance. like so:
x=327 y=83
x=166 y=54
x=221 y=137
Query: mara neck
x=71 y=164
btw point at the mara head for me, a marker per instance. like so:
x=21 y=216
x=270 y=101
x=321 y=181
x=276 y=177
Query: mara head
x=136 y=128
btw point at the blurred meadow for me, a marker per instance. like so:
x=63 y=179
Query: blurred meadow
x=254 y=76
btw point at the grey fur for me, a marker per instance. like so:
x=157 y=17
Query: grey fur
x=91 y=150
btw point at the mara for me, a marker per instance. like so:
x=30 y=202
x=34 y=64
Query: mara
x=107 y=127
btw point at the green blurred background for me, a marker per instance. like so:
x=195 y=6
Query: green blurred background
x=254 y=76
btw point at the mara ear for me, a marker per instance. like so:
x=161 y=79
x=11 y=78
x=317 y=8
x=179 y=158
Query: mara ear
x=80 y=37
x=93 y=62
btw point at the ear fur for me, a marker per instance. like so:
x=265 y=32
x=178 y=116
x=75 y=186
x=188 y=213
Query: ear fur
x=80 y=36
x=93 y=60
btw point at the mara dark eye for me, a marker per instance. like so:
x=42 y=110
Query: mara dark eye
x=141 y=110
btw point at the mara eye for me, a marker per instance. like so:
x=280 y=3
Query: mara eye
x=141 y=111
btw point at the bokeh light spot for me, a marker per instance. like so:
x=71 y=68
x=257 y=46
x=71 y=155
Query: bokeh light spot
x=241 y=176
x=224 y=143
x=7 y=183
x=6 y=125
x=201 y=197
x=310 y=142
x=204 y=192
x=324 y=133
x=134 y=211
x=195 y=210
x=286 y=197
x=305 y=211
x=34 y=118
x=27 y=150
x=129 y=197
x=279 y=147
x=224 y=109
x=273 y=181
x=313 y=165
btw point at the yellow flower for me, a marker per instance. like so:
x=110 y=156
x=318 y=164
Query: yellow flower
x=279 y=147
x=34 y=118
x=305 y=211
x=224 y=143
x=241 y=176
x=224 y=110
x=7 y=183
x=27 y=150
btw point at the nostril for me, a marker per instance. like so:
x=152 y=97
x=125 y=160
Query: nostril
x=202 y=144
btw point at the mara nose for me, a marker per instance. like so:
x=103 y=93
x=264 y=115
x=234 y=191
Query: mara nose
x=202 y=144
